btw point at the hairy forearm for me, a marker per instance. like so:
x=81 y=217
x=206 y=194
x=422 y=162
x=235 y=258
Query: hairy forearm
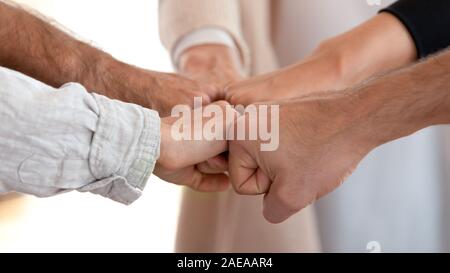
x=36 y=48
x=44 y=52
x=405 y=101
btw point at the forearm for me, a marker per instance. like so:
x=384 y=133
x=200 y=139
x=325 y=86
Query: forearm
x=44 y=52
x=40 y=50
x=404 y=102
x=378 y=45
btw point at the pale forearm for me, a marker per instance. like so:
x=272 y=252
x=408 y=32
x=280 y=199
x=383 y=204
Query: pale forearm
x=378 y=45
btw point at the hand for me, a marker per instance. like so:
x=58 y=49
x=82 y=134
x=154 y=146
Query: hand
x=211 y=64
x=320 y=144
x=155 y=90
x=58 y=58
x=216 y=65
x=323 y=137
x=178 y=158
x=380 y=44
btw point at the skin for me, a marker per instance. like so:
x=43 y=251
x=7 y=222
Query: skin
x=330 y=66
x=215 y=65
x=212 y=64
x=51 y=56
x=324 y=136
x=376 y=46
x=178 y=159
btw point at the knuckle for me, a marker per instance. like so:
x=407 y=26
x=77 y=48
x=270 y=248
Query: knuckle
x=205 y=97
x=228 y=95
x=196 y=182
x=233 y=99
x=222 y=103
x=238 y=189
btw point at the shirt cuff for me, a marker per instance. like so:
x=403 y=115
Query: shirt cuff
x=124 y=150
x=202 y=36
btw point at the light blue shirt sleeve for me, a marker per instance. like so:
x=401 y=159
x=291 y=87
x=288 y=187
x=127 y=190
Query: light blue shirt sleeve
x=59 y=140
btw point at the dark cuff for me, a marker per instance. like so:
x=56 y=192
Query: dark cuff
x=428 y=22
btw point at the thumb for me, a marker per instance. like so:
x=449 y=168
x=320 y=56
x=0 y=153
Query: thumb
x=245 y=175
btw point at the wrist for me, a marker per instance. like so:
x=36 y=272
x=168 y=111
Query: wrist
x=333 y=64
x=93 y=69
x=209 y=57
x=93 y=73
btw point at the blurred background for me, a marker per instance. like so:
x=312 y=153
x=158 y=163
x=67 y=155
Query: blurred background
x=84 y=222
x=397 y=198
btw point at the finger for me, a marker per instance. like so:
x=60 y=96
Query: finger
x=234 y=91
x=208 y=92
x=220 y=161
x=247 y=95
x=213 y=92
x=281 y=202
x=207 y=168
x=207 y=135
x=250 y=85
x=245 y=175
x=209 y=182
x=215 y=165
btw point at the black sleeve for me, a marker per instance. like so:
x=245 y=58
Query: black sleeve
x=428 y=22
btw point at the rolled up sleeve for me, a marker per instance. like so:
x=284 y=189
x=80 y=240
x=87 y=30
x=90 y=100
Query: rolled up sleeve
x=59 y=140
